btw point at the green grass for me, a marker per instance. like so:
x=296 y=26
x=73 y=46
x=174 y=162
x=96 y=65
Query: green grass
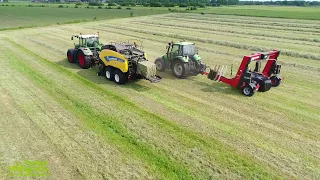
x=112 y=130
x=20 y=16
x=101 y=123
x=312 y=13
x=179 y=128
x=17 y=15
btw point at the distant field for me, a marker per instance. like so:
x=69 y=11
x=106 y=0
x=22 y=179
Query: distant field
x=22 y=16
x=17 y=14
x=268 y=11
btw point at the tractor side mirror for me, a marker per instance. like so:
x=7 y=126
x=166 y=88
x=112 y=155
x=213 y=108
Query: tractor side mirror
x=71 y=37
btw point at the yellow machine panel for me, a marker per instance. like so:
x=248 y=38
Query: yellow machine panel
x=114 y=59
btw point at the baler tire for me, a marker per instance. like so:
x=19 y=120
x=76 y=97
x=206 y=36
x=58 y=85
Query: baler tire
x=248 y=90
x=70 y=56
x=120 y=77
x=275 y=81
x=160 y=65
x=110 y=75
x=83 y=60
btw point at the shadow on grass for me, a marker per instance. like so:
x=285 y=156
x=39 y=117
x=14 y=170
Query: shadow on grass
x=166 y=75
x=91 y=75
x=65 y=63
x=138 y=87
x=217 y=87
x=208 y=86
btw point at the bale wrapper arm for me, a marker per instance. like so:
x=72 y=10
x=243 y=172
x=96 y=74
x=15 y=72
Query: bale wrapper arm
x=250 y=81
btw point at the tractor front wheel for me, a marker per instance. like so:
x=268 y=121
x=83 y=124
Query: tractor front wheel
x=83 y=60
x=70 y=56
x=160 y=65
x=248 y=90
x=120 y=77
x=179 y=69
x=275 y=81
x=109 y=72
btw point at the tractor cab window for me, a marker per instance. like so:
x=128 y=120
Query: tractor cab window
x=92 y=41
x=82 y=41
x=175 y=49
x=188 y=50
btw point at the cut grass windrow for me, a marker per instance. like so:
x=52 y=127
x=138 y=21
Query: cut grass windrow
x=227 y=31
x=222 y=33
x=304 y=30
x=222 y=154
x=165 y=42
x=298 y=25
x=221 y=43
x=251 y=18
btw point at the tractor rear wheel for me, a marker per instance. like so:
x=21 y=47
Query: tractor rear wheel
x=83 y=60
x=275 y=81
x=248 y=90
x=197 y=69
x=179 y=69
x=70 y=56
x=120 y=77
x=160 y=65
x=109 y=73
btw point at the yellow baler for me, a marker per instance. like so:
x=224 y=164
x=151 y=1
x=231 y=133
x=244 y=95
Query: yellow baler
x=121 y=62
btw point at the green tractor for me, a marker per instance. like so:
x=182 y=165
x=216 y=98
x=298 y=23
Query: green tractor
x=182 y=59
x=86 y=53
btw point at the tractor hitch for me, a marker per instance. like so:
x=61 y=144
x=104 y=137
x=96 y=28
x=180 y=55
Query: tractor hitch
x=216 y=73
x=212 y=74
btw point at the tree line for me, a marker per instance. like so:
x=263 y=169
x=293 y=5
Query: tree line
x=281 y=3
x=203 y=3
x=194 y=3
x=166 y=3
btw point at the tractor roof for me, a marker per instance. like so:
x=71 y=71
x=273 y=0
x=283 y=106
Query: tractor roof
x=88 y=36
x=184 y=43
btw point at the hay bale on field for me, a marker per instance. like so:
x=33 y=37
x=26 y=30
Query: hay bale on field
x=147 y=69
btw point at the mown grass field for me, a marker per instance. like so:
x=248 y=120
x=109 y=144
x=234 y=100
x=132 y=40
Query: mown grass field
x=20 y=16
x=89 y=128
x=17 y=15
x=312 y=13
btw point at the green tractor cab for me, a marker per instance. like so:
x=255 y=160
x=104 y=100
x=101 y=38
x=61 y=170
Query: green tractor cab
x=182 y=59
x=86 y=52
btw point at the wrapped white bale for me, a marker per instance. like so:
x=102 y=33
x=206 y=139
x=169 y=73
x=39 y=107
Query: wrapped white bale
x=147 y=69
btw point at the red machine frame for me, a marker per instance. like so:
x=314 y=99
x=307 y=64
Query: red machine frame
x=243 y=77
